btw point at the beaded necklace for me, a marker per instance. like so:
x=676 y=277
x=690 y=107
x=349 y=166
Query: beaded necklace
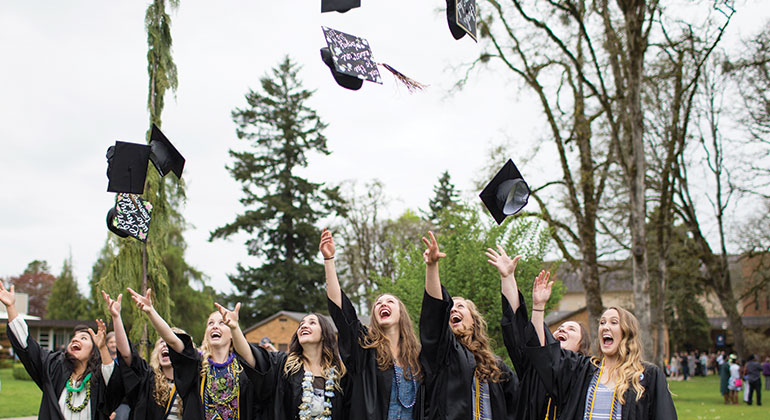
x=398 y=389
x=307 y=395
x=223 y=388
x=71 y=390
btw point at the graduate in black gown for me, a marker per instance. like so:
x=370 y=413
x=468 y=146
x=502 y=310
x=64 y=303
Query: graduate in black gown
x=464 y=378
x=382 y=360
x=534 y=400
x=77 y=383
x=149 y=386
x=211 y=382
x=615 y=385
x=306 y=382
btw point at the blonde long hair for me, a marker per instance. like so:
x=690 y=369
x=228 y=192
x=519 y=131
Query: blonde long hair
x=409 y=345
x=477 y=341
x=162 y=390
x=629 y=370
x=330 y=355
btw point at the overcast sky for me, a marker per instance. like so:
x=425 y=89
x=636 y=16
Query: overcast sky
x=74 y=80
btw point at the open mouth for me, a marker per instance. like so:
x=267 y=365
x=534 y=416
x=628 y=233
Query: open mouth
x=607 y=340
x=75 y=346
x=385 y=313
x=216 y=334
x=560 y=336
x=164 y=353
x=304 y=332
x=456 y=320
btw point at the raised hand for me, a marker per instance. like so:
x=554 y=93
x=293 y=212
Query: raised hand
x=505 y=265
x=541 y=290
x=113 y=305
x=8 y=297
x=99 y=337
x=144 y=303
x=229 y=317
x=432 y=254
x=327 y=244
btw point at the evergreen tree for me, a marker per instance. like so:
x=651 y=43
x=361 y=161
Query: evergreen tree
x=65 y=301
x=281 y=207
x=444 y=197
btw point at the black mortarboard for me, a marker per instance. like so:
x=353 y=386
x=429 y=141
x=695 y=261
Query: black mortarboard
x=164 y=155
x=131 y=216
x=341 y=6
x=461 y=16
x=506 y=194
x=127 y=167
x=351 y=62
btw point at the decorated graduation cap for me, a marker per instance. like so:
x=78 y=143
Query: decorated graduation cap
x=506 y=194
x=130 y=217
x=341 y=6
x=164 y=155
x=351 y=62
x=461 y=17
x=127 y=167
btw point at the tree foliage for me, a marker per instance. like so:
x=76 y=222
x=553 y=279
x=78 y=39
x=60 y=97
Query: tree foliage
x=37 y=282
x=465 y=271
x=66 y=301
x=282 y=208
x=445 y=197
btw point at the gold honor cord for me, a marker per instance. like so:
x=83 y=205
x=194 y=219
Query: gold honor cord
x=171 y=399
x=548 y=410
x=476 y=404
x=593 y=394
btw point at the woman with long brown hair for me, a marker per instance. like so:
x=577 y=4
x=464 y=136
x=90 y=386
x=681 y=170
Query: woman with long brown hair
x=615 y=385
x=306 y=382
x=210 y=382
x=466 y=380
x=518 y=333
x=382 y=359
x=77 y=383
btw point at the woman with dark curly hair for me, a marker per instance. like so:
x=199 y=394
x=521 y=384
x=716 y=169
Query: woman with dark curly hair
x=78 y=382
x=465 y=379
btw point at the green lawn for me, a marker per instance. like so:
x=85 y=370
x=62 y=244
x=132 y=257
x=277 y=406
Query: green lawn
x=699 y=398
x=17 y=398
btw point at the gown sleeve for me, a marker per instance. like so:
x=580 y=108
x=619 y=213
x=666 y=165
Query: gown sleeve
x=350 y=332
x=133 y=375
x=435 y=333
x=266 y=373
x=662 y=406
x=558 y=369
x=30 y=353
x=186 y=366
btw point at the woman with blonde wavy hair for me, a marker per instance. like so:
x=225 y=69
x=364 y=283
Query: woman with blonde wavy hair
x=306 y=382
x=382 y=360
x=210 y=382
x=616 y=385
x=466 y=379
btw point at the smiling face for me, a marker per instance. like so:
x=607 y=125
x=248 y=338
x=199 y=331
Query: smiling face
x=309 y=330
x=569 y=336
x=387 y=311
x=81 y=346
x=163 y=357
x=610 y=332
x=460 y=318
x=218 y=334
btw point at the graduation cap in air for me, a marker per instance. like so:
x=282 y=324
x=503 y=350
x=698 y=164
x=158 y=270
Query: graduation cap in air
x=130 y=217
x=341 y=6
x=127 y=167
x=164 y=155
x=506 y=194
x=461 y=17
x=351 y=62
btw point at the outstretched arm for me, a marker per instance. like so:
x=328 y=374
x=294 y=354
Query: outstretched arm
x=117 y=324
x=541 y=292
x=431 y=257
x=506 y=266
x=240 y=343
x=333 y=289
x=8 y=297
x=100 y=339
x=144 y=303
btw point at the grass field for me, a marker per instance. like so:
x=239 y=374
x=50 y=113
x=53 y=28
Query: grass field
x=17 y=398
x=696 y=399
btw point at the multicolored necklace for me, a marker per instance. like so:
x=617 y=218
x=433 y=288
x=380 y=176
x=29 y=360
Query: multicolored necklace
x=71 y=390
x=308 y=394
x=223 y=388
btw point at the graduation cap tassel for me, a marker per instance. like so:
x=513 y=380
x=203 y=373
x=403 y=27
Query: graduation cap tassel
x=411 y=84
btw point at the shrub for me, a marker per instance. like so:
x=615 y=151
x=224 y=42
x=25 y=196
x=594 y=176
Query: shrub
x=20 y=373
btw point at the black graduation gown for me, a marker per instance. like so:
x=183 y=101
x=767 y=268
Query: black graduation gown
x=518 y=333
x=449 y=369
x=567 y=376
x=187 y=378
x=278 y=395
x=139 y=386
x=367 y=394
x=51 y=370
